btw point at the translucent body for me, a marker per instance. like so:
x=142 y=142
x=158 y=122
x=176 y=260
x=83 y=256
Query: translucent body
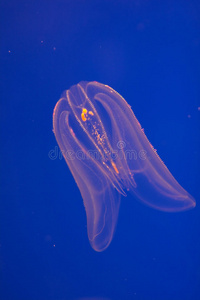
x=108 y=155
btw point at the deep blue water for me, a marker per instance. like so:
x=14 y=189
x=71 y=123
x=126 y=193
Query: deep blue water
x=149 y=52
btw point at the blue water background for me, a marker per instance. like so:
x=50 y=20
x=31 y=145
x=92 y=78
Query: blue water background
x=149 y=51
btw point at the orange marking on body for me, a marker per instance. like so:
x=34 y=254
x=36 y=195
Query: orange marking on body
x=84 y=112
x=115 y=168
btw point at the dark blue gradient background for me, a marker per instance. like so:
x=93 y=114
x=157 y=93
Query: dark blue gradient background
x=149 y=51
